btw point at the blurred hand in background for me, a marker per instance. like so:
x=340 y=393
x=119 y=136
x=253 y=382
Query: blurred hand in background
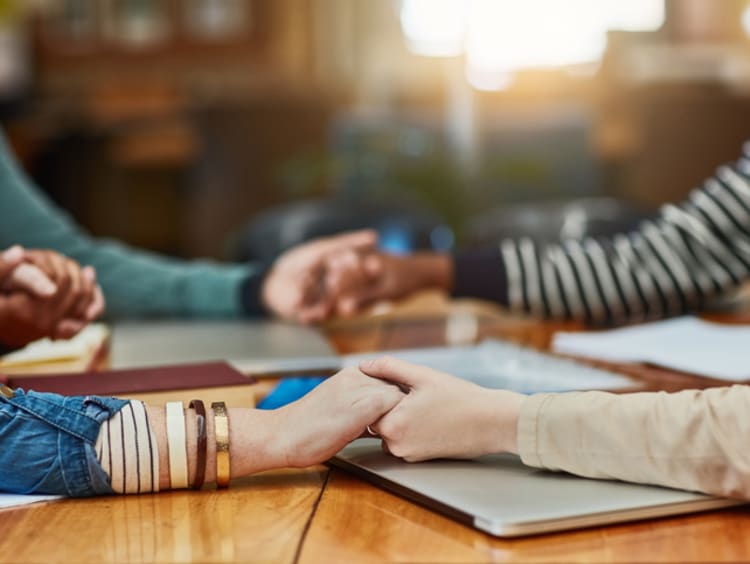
x=43 y=294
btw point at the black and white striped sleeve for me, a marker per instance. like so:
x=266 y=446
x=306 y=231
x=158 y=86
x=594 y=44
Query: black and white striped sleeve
x=692 y=252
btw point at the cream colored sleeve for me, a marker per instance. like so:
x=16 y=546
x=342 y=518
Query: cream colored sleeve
x=693 y=440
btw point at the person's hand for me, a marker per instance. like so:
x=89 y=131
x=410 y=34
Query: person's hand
x=443 y=416
x=43 y=294
x=295 y=288
x=317 y=426
x=19 y=276
x=78 y=300
x=356 y=281
x=25 y=318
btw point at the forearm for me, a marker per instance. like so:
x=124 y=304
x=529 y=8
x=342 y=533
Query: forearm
x=134 y=282
x=253 y=444
x=694 y=440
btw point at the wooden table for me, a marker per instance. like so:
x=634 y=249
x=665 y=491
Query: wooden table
x=324 y=515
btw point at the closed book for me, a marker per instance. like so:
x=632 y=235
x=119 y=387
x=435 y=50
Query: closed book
x=214 y=381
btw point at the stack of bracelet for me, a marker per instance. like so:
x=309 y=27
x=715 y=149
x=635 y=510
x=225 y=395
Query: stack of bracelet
x=176 y=441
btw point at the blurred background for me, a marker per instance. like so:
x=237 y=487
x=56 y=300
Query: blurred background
x=235 y=128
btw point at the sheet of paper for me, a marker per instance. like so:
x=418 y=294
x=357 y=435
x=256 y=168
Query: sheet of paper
x=12 y=500
x=687 y=344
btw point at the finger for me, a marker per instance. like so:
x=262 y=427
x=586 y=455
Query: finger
x=68 y=304
x=384 y=446
x=30 y=278
x=357 y=240
x=362 y=297
x=374 y=265
x=9 y=260
x=97 y=305
x=52 y=265
x=347 y=306
x=315 y=313
x=68 y=328
x=395 y=370
x=87 y=278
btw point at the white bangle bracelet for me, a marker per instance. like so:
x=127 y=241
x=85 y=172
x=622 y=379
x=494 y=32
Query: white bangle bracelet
x=178 y=468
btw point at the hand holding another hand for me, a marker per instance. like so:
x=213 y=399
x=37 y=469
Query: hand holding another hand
x=314 y=428
x=443 y=416
x=296 y=287
x=356 y=281
x=43 y=294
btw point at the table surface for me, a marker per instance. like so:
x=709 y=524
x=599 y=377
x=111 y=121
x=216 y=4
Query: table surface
x=323 y=515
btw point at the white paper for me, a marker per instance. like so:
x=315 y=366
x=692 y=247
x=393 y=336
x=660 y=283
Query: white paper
x=13 y=500
x=686 y=344
x=500 y=364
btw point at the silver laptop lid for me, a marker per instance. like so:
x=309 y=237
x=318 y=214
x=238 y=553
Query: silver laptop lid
x=251 y=346
x=499 y=495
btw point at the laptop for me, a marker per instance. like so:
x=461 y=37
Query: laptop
x=283 y=347
x=499 y=495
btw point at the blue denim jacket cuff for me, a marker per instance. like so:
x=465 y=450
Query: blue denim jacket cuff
x=49 y=441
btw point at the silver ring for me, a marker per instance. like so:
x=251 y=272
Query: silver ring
x=371 y=432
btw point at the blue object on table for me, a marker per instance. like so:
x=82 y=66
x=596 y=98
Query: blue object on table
x=289 y=390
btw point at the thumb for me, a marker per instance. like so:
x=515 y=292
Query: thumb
x=395 y=370
x=9 y=260
x=33 y=280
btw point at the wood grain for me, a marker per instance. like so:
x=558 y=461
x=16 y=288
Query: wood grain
x=258 y=519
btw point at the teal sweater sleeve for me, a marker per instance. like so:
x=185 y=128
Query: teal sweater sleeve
x=135 y=283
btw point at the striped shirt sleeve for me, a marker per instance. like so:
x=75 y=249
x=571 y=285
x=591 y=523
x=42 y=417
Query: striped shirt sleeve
x=127 y=450
x=691 y=253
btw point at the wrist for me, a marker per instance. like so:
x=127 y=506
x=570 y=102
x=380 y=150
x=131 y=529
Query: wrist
x=503 y=410
x=254 y=444
x=433 y=270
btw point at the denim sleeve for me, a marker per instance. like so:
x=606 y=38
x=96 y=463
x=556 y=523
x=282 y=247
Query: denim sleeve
x=47 y=443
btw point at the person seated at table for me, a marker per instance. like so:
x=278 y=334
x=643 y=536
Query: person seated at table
x=43 y=294
x=693 y=252
x=139 y=283
x=694 y=440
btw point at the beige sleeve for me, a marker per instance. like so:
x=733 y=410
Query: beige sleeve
x=693 y=440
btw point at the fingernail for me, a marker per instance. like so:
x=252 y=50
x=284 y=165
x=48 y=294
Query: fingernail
x=366 y=363
x=89 y=273
x=15 y=253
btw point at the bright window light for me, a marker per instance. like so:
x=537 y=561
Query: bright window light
x=746 y=20
x=500 y=37
x=434 y=28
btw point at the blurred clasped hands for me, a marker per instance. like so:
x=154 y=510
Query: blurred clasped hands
x=343 y=274
x=44 y=294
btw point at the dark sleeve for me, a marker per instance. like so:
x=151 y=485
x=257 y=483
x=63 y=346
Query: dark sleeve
x=480 y=274
x=250 y=293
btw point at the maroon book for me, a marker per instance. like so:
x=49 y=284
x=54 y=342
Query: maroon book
x=131 y=381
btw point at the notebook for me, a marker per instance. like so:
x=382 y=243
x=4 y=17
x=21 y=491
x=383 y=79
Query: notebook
x=499 y=495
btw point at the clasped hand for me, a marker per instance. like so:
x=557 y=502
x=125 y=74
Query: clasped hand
x=43 y=294
x=419 y=413
x=342 y=275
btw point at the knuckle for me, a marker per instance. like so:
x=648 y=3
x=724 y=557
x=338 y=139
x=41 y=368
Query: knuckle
x=392 y=428
x=385 y=363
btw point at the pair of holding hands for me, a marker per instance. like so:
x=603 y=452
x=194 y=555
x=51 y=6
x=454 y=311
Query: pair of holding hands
x=419 y=413
x=44 y=294
x=342 y=275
